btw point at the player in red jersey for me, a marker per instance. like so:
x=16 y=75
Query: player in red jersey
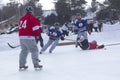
x=85 y=45
x=29 y=27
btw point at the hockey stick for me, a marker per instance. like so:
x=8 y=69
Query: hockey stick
x=112 y=44
x=12 y=46
x=70 y=39
x=72 y=34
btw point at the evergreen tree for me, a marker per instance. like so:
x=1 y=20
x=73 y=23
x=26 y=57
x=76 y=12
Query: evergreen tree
x=67 y=8
x=114 y=9
x=94 y=5
x=63 y=11
x=37 y=6
x=78 y=6
x=11 y=9
x=114 y=4
x=111 y=12
x=50 y=19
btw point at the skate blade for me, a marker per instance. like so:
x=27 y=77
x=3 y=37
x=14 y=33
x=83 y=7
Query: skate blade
x=22 y=69
x=38 y=69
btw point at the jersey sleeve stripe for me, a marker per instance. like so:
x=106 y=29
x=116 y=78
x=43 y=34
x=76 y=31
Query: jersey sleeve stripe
x=35 y=28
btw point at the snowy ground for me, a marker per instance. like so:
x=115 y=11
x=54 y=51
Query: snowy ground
x=66 y=62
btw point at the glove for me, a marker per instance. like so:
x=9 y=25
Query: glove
x=53 y=34
x=62 y=38
x=89 y=32
x=36 y=37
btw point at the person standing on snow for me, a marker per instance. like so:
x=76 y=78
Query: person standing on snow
x=95 y=25
x=29 y=27
x=100 y=26
x=54 y=34
x=81 y=26
x=90 y=27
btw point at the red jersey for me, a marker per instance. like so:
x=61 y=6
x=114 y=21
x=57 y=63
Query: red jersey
x=29 y=26
x=92 y=45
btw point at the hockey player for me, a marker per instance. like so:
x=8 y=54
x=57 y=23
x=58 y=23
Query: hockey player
x=54 y=34
x=85 y=45
x=29 y=27
x=39 y=38
x=80 y=25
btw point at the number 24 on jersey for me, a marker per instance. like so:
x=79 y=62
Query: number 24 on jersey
x=23 y=24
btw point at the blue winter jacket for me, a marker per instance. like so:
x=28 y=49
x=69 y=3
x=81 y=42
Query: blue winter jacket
x=80 y=25
x=57 y=33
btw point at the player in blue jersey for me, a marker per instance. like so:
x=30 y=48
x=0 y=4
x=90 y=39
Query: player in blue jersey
x=54 y=34
x=80 y=25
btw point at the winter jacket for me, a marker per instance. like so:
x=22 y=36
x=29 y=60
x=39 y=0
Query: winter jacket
x=85 y=45
x=80 y=25
x=29 y=26
x=54 y=33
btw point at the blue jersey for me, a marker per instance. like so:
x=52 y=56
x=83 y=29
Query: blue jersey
x=80 y=25
x=54 y=33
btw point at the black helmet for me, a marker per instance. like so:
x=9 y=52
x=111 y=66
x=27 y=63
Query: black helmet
x=29 y=9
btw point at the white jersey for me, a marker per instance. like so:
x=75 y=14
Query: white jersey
x=95 y=24
x=65 y=28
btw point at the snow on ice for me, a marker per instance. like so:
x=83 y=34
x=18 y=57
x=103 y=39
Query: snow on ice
x=66 y=62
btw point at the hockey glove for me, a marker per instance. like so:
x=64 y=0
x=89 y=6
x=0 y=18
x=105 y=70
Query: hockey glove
x=62 y=38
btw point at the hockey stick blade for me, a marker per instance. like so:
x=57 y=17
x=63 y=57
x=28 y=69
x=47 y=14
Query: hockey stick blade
x=12 y=46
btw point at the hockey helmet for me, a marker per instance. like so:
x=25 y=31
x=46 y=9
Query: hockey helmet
x=94 y=42
x=29 y=9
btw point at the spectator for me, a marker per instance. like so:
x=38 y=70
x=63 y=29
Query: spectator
x=100 y=26
x=95 y=25
x=65 y=29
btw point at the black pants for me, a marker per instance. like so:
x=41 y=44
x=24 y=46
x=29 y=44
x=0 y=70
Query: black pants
x=96 y=29
x=84 y=44
x=65 y=32
x=40 y=39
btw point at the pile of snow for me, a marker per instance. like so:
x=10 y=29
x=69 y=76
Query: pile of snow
x=114 y=27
